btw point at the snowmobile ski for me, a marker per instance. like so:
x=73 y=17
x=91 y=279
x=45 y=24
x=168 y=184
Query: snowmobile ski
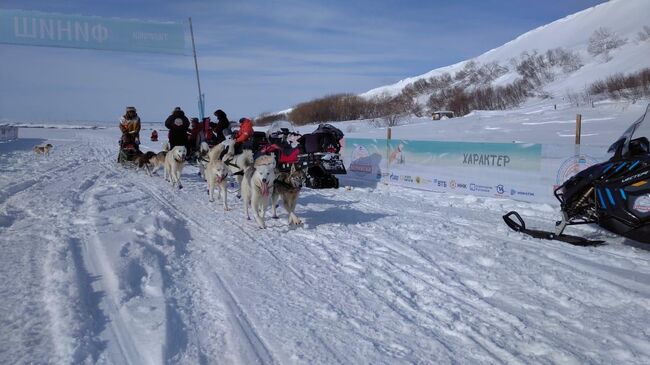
x=520 y=226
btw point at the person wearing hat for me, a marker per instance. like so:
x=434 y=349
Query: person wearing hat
x=130 y=126
x=178 y=126
x=222 y=128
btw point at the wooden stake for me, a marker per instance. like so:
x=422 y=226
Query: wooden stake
x=578 y=127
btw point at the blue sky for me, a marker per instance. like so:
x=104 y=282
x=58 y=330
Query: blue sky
x=257 y=56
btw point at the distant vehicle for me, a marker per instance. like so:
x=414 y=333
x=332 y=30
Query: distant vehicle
x=442 y=114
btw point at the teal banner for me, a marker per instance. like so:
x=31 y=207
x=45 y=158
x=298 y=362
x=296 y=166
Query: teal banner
x=489 y=156
x=73 y=31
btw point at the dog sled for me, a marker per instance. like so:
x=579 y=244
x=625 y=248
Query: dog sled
x=316 y=153
x=128 y=152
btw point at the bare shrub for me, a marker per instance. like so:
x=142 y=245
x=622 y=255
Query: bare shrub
x=619 y=86
x=268 y=118
x=377 y=123
x=602 y=41
x=337 y=107
x=644 y=34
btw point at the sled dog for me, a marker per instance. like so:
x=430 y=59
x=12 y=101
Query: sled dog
x=287 y=186
x=174 y=162
x=216 y=174
x=43 y=149
x=217 y=151
x=235 y=163
x=202 y=158
x=156 y=162
x=257 y=187
x=142 y=161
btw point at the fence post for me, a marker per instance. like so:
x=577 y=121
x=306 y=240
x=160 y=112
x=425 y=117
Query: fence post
x=578 y=127
x=388 y=138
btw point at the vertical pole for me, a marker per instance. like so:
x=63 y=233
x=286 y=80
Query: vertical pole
x=388 y=137
x=196 y=67
x=576 y=151
x=578 y=127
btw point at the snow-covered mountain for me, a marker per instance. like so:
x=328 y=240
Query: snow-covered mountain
x=623 y=18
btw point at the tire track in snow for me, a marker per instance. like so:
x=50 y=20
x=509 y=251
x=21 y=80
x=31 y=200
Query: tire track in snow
x=55 y=269
x=553 y=264
x=237 y=316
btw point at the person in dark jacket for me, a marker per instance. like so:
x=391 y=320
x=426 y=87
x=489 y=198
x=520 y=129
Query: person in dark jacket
x=195 y=137
x=178 y=126
x=222 y=127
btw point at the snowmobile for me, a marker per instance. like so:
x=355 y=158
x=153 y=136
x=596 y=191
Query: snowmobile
x=614 y=194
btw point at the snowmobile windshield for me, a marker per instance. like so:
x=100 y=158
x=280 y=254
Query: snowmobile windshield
x=640 y=128
x=279 y=128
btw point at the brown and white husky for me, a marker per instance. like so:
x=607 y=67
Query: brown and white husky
x=288 y=186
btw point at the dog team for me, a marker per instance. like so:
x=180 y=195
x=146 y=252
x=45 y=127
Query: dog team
x=261 y=183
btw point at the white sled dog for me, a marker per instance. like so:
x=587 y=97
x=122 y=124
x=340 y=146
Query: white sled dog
x=202 y=158
x=217 y=175
x=257 y=187
x=235 y=163
x=287 y=186
x=174 y=162
x=43 y=149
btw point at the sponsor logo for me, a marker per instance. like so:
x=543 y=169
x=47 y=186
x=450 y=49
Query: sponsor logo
x=452 y=184
x=572 y=166
x=417 y=179
x=642 y=204
x=439 y=183
x=481 y=159
x=408 y=178
x=394 y=177
x=480 y=188
x=500 y=189
x=521 y=193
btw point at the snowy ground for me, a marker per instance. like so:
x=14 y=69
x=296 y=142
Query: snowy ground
x=551 y=121
x=104 y=264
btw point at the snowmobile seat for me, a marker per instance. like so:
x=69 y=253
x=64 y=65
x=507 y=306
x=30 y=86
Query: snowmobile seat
x=311 y=142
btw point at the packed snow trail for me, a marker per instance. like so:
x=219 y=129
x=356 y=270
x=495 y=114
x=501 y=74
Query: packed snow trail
x=105 y=264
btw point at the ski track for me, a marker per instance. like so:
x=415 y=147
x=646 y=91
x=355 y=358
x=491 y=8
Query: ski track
x=107 y=265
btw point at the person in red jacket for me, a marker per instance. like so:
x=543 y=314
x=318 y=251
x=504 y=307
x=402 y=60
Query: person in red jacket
x=244 y=136
x=245 y=131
